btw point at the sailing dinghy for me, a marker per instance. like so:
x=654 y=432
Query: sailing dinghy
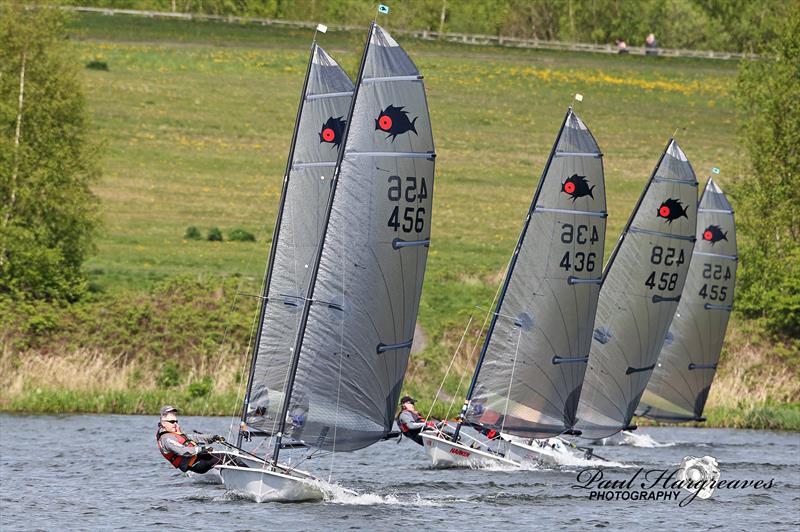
x=346 y=332
x=642 y=285
x=529 y=373
x=679 y=387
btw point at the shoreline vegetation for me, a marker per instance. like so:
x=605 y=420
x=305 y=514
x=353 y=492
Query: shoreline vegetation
x=192 y=141
x=186 y=343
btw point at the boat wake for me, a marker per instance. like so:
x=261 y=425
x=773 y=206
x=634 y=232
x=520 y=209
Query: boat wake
x=338 y=495
x=642 y=440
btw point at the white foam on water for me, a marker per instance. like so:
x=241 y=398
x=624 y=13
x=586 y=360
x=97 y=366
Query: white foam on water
x=338 y=495
x=642 y=440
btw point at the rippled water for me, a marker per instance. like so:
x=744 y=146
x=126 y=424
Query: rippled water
x=104 y=472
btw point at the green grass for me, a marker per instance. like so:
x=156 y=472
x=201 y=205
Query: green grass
x=196 y=120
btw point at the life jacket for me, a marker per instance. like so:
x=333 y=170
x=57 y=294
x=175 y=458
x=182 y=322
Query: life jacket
x=180 y=462
x=404 y=428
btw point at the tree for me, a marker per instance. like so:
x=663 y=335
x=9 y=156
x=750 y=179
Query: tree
x=48 y=212
x=768 y=196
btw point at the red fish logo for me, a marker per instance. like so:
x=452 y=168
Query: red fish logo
x=576 y=187
x=714 y=234
x=394 y=121
x=671 y=210
x=332 y=131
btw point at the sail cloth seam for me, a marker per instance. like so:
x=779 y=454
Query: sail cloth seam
x=661 y=233
x=595 y=214
x=328 y=95
x=383 y=79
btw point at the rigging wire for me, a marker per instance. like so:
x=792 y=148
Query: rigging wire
x=447 y=372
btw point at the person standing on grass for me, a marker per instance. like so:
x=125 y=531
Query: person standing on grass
x=183 y=452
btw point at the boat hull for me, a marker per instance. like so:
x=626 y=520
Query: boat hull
x=264 y=485
x=545 y=455
x=445 y=453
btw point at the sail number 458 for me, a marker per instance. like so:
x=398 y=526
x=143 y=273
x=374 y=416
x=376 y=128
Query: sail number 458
x=668 y=257
x=409 y=218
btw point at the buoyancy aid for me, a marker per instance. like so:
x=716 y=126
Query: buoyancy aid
x=180 y=462
x=405 y=429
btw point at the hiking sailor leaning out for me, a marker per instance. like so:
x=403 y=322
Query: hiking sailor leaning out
x=184 y=452
x=410 y=422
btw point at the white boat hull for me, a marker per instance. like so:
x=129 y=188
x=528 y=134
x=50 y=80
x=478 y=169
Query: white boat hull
x=553 y=453
x=445 y=453
x=263 y=485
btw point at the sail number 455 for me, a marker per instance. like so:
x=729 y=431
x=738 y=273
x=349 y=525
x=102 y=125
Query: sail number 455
x=409 y=218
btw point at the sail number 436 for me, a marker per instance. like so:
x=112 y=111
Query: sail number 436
x=580 y=234
x=412 y=190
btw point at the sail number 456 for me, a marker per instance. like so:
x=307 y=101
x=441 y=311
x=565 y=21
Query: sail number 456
x=410 y=218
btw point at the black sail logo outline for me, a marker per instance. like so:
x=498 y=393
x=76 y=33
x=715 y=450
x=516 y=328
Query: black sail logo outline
x=394 y=121
x=576 y=186
x=671 y=210
x=332 y=131
x=713 y=234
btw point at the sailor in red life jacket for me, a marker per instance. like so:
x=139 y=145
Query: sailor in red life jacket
x=183 y=452
x=410 y=422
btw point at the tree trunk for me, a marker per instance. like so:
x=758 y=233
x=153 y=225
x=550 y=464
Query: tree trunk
x=441 y=18
x=15 y=171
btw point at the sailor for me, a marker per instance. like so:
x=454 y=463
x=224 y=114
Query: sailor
x=184 y=452
x=410 y=422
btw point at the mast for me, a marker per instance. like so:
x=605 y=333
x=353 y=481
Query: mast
x=273 y=247
x=507 y=280
x=312 y=281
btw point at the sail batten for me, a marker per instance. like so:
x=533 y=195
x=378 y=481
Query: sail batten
x=531 y=366
x=642 y=285
x=313 y=153
x=679 y=387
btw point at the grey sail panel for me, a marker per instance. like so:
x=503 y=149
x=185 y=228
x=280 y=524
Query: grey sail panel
x=325 y=106
x=642 y=283
x=682 y=378
x=357 y=338
x=535 y=357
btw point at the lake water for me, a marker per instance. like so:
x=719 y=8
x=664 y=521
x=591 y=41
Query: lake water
x=104 y=472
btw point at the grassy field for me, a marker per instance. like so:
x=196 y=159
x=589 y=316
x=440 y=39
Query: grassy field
x=196 y=119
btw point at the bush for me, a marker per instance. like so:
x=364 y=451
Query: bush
x=170 y=375
x=240 y=235
x=214 y=235
x=97 y=65
x=192 y=233
x=201 y=388
x=767 y=196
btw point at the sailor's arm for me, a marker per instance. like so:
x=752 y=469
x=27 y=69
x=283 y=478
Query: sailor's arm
x=407 y=418
x=169 y=443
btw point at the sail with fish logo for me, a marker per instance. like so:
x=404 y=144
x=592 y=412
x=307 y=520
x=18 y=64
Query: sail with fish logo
x=642 y=285
x=679 y=387
x=528 y=378
x=358 y=317
x=319 y=129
